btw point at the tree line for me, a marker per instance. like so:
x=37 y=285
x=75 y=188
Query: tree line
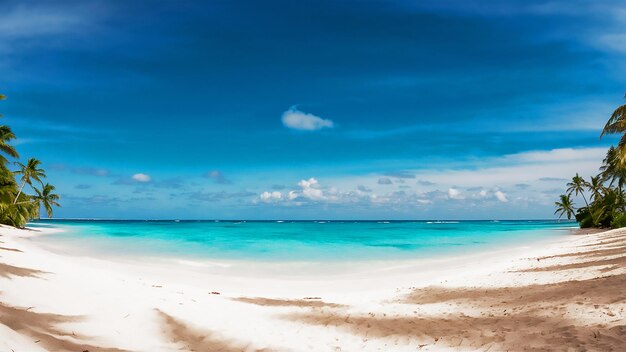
x=603 y=195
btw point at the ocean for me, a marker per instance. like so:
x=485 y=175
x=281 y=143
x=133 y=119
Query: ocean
x=305 y=241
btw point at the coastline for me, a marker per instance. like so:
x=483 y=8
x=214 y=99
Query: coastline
x=99 y=303
x=362 y=275
x=352 y=261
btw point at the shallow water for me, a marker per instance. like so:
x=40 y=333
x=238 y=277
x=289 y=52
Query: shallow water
x=309 y=241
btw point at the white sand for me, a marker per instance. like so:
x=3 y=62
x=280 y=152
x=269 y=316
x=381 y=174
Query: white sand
x=117 y=303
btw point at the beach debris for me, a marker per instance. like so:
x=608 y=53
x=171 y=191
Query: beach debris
x=214 y=293
x=157 y=286
x=312 y=298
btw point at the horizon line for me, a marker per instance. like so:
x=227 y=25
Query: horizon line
x=299 y=220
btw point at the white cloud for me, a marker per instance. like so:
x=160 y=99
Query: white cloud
x=310 y=189
x=454 y=193
x=142 y=177
x=557 y=155
x=271 y=196
x=485 y=195
x=459 y=191
x=501 y=196
x=299 y=120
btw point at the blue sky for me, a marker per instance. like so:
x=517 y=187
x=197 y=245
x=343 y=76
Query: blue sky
x=312 y=109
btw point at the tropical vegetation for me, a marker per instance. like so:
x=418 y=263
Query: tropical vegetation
x=603 y=195
x=17 y=206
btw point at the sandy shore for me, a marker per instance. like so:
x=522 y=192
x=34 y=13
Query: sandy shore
x=569 y=294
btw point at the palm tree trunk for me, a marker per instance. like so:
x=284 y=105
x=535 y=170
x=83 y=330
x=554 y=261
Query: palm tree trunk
x=26 y=202
x=20 y=192
x=587 y=204
x=585 y=199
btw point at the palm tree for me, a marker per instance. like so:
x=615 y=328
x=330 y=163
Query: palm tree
x=17 y=215
x=565 y=207
x=617 y=121
x=620 y=200
x=6 y=135
x=595 y=186
x=577 y=186
x=617 y=124
x=46 y=198
x=31 y=171
x=611 y=170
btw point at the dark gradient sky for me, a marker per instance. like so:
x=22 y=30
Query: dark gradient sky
x=144 y=109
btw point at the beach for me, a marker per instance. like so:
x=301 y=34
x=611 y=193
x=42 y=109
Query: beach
x=319 y=176
x=565 y=294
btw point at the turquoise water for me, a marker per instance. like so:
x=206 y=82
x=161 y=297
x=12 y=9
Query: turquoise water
x=300 y=240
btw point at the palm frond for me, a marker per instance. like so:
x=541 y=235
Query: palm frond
x=616 y=123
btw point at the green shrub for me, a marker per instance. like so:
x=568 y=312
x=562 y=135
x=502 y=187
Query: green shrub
x=619 y=220
x=584 y=218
